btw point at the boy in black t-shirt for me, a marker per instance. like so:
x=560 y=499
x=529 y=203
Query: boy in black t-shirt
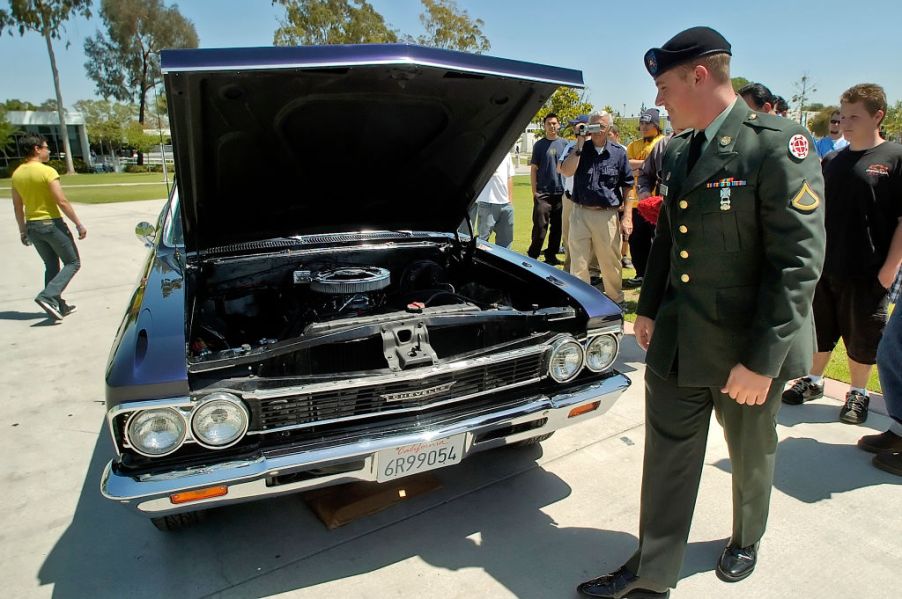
x=863 y=219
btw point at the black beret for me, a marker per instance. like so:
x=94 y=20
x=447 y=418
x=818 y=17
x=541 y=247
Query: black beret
x=686 y=45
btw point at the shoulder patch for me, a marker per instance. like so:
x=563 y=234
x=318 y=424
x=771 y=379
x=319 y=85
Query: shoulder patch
x=805 y=201
x=798 y=146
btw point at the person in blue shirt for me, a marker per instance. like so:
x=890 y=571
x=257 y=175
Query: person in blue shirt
x=834 y=140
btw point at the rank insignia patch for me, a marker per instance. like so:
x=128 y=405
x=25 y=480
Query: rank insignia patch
x=806 y=200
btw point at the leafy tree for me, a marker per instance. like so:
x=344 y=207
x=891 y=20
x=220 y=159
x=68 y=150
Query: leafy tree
x=319 y=22
x=106 y=122
x=137 y=139
x=820 y=124
x=814 y=107
x=48 y=105
x=7 y=134
x=892 y=122
x=16 y=104
x=124 y=61
x=739 y=83
x=567 y=103
x=47 y=17
x=451 y=28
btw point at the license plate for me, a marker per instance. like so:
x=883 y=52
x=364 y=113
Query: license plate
x=419 y=457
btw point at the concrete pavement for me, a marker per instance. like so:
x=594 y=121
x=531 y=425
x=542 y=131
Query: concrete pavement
x=510 y=523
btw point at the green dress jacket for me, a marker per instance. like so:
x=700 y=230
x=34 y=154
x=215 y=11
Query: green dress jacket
x=737 y=253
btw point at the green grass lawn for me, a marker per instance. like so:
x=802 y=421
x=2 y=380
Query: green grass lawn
x=103 y=188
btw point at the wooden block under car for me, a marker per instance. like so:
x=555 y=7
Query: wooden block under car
x=340 y=505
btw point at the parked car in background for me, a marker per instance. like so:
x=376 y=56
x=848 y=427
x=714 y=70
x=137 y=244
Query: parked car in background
x=308 y=314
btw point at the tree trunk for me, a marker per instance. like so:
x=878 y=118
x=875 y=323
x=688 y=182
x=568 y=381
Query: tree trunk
x=70 y=165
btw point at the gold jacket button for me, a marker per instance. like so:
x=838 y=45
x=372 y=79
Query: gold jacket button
x=684 y=254
x=683 y=229
x=684 y=204
x=684 y=278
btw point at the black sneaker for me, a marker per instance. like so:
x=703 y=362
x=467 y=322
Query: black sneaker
x=856 y=409
x=633 y=283
x=67 y=309
x=49 y=307
x=888 y=441
x=803 y=390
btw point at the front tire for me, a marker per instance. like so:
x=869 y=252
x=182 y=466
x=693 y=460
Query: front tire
x=177 y=522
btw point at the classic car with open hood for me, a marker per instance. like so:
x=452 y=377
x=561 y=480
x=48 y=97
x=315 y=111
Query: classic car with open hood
x=308 y=314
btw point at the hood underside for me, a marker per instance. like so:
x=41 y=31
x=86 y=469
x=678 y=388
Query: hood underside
x=274 y=142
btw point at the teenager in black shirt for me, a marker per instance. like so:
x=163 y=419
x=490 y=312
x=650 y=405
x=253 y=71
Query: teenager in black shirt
x=863 y=185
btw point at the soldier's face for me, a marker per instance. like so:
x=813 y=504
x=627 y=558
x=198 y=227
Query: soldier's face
x=676 y=94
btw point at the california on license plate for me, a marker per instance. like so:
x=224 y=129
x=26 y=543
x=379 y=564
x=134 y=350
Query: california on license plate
x=419 y=457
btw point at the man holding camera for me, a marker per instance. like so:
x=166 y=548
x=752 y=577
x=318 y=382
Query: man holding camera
x=601 y=180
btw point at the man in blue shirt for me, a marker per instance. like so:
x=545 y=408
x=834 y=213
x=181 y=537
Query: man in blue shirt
x=834 y=140
x=547 y=191
x=601 y=179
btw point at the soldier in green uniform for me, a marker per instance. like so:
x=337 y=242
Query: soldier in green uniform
x=725 y=309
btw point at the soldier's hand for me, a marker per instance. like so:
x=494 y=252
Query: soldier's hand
x=745 y=386
x=643 y=328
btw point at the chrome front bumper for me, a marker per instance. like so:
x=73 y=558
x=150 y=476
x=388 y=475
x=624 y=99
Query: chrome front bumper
x=248 y=480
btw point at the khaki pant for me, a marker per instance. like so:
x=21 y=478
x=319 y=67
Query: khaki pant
x=596 y=233
x=566 y=209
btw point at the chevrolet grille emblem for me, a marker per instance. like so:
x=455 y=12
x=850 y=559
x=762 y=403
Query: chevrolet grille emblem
x=418 y=394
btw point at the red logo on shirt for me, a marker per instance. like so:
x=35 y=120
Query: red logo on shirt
x=878 y=170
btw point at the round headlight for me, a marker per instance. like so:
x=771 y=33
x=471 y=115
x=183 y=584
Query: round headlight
x=155 y=433
x=566 y=361
x=219 y=421
x=601 y=353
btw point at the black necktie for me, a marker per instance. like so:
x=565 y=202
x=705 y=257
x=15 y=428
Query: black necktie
x=695 y=149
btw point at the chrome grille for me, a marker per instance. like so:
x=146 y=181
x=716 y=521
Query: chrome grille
x=364 y=401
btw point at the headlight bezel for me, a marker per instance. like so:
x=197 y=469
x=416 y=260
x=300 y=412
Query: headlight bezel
x=219 y=398
x=138 y=448
x=557 y=347
x=595 y=338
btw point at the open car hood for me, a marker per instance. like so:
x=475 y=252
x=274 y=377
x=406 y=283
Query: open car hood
x=278 y=141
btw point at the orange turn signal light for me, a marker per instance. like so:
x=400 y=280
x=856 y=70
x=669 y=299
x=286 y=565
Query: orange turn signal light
x=583 y=409
x=199 y=494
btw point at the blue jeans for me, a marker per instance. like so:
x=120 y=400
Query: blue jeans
x=889 y=367
x=54 y=243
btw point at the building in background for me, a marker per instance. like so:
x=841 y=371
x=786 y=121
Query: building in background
x=47 y=124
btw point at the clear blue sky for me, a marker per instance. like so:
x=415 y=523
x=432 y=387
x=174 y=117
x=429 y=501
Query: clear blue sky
x=837 y=43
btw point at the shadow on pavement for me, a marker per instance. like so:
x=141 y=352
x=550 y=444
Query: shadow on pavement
x=810 y=413
x=811 y=470
x=16 y=315
x=489 y=515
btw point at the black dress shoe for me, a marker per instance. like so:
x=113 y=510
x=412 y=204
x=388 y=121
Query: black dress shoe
x=621 y=584
x=736 y=563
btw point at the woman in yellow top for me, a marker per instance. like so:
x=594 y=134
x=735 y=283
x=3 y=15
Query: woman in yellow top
x=38 y=200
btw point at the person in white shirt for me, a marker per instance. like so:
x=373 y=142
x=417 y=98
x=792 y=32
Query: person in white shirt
x=495 y=211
